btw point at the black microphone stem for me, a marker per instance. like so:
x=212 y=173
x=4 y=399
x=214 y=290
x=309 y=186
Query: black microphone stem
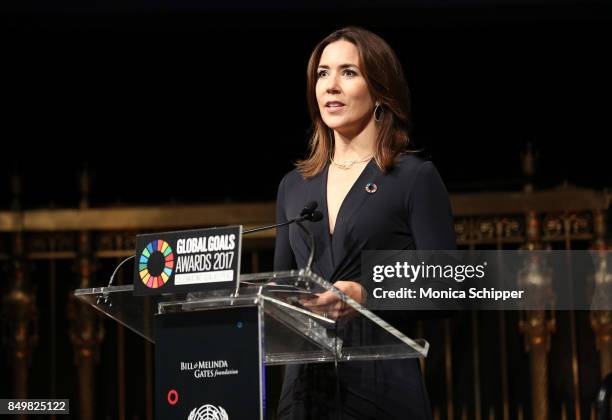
x=312 y=244
x=244 y=232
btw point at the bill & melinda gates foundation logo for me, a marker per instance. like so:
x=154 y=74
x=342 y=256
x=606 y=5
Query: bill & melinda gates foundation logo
x=156 y=264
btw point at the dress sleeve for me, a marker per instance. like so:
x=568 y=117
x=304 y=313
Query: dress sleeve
x=431 y=221
x=431 y=218
x=283 y=255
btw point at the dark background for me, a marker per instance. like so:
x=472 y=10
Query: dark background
x=177 y=102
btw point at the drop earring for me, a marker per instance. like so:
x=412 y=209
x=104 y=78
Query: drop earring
x=377 y=112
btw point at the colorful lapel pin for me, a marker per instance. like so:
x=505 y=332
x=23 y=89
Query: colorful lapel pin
x=371 y=187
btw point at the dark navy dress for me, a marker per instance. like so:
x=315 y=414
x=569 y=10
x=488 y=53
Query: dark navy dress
x=409 y=210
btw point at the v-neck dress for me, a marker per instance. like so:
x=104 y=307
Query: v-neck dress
x=410 y=209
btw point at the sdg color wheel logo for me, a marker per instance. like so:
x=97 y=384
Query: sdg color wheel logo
x=156 y=264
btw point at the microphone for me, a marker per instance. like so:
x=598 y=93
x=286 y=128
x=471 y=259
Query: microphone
x=309 y=212
x=110 y=282
x=309 y=208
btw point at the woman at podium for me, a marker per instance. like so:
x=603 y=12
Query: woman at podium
x=374 y=195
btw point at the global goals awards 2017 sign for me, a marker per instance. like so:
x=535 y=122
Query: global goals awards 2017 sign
x=190 y=260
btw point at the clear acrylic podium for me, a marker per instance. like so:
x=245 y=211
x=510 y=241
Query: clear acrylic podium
x=290 y=332
x=211 y=347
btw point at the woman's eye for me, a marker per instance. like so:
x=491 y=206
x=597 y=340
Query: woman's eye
x=350 y=73
x=321 y=73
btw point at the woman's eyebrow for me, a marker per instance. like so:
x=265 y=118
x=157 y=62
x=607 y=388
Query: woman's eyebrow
x=342 y=66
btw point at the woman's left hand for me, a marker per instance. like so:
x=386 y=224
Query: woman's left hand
x=330 y=305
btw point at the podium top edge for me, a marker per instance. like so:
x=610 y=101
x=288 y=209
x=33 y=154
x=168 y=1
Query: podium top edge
x=243 y=277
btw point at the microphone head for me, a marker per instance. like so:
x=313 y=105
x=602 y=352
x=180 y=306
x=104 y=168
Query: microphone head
x=309 y=208
x=316 y=216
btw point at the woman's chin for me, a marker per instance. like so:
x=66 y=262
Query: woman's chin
x=334 y=124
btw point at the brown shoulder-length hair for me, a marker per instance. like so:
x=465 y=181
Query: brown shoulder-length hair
x=385 y=79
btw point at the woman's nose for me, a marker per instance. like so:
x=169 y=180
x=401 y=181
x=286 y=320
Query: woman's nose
x=333 y=85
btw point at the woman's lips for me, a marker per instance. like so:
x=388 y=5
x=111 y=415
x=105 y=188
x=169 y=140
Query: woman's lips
x=334 y=108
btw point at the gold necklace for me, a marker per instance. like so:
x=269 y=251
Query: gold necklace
x=348 y=164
